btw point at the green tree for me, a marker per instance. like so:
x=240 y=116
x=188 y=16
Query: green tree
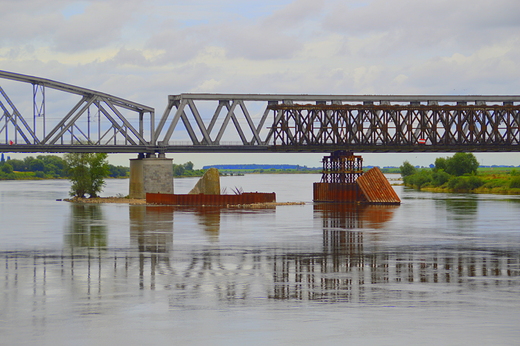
x=178 y=170
x=461 y=163
x=439 y=177
x=98 y=172
x=407 y=169
x=53 y=165
x=419 y=179
x=440 y=163
x=118 y=171
x=17 y=164
x=188 y=166
x=36 y=165
x=87 y=172
x=7 y=168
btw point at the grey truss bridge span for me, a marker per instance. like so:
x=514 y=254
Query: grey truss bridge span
x=58 y=117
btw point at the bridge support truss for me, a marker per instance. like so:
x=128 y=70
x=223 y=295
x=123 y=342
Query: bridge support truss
x=387 y=127
x=78 y=120
x=343 y=180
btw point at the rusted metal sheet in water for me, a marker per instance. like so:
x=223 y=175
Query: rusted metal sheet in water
x=336 y=192
x=376 y=188
x=210 y=200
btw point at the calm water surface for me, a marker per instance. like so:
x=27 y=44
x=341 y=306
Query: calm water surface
x=438 y=270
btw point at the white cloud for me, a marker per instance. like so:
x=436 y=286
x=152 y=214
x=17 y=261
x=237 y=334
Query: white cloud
x=146 y=50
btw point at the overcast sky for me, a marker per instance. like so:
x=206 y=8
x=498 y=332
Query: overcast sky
x=146 y=50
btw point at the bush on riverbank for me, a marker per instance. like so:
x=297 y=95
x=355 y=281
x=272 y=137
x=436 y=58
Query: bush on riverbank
x=460 y=173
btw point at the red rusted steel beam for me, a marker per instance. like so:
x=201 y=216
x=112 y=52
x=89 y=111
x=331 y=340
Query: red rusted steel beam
x=210 y=200
x=336 y=192
x=376 y=188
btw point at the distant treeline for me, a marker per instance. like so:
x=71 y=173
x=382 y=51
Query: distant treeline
x=45 y=167
x=186 y=170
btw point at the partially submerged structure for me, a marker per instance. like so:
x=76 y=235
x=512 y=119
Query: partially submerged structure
x=207 y=193
x=343 y=180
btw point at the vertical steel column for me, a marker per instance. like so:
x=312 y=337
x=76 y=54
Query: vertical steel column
x=39 y=106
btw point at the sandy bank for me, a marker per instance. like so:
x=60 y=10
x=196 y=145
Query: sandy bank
x=123 y=200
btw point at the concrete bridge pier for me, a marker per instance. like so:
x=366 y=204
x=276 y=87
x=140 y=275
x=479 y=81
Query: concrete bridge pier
x=150 y=174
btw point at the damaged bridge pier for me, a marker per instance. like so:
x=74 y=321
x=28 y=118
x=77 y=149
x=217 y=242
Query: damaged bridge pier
x=343 y=180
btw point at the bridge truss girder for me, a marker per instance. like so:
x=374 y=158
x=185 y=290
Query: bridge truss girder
x=209 y=131
x=95 y=122
x=259 y=123
x=398 y=127
x=326 y=123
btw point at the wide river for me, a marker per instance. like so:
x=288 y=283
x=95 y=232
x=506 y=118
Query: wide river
x=440 y=269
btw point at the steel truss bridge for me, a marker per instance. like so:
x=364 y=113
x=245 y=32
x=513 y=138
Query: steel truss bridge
x=58 y=117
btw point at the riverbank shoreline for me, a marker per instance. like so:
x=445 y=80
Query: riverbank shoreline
x=477 y=191
x=142 y=201
x=100 y=200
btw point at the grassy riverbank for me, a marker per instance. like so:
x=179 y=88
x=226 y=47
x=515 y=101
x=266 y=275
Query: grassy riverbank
x=486 y=180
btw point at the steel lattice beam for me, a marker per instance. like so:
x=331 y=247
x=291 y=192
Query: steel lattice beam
x=393 y=126
x=325 y=123
x=116 y=123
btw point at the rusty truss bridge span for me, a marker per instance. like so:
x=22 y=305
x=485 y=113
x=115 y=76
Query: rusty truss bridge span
x=59 y=117
x=326 y=123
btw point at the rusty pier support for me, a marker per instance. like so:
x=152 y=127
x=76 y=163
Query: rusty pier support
x=343 y=180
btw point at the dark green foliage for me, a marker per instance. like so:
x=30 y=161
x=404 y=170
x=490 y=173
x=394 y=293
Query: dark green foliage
x=440 y=163
x=456 y=173
x=465 y=183
x=98 y=172
x=439 y=177
x=52 y=166
x=496 y=182
x=7 y=168
x=36 y=165
x=87 y=172
x=186 y=170
x=18 y=165
x=178 y=170
x=419 y=179
x=407 y=169
x=515 y=182
x=118 y=171
x=460 y=164
x=188 y=166
x=46 y=166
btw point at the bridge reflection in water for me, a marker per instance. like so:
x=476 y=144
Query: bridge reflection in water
x=347 y=266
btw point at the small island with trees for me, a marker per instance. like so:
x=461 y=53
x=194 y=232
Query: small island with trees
x=461 y=173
